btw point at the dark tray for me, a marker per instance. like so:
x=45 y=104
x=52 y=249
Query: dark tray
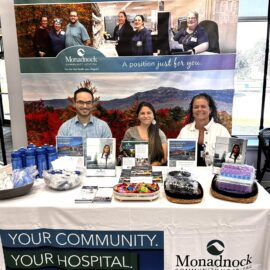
x=234 y=196
x=15 y=192
x=185 y=198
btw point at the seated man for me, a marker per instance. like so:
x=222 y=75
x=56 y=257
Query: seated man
x=84 y=124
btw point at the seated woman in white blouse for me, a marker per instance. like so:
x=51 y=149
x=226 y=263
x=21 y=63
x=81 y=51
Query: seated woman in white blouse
x=204 y=126
x=148 y=130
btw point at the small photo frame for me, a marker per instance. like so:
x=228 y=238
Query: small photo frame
x=229 y=150
x=182 y=153
x=71 y=146
x=100 y=156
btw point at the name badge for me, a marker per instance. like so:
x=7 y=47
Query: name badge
x=118 y=38
x=193 y=39
x=202 y=154
x=139 y=43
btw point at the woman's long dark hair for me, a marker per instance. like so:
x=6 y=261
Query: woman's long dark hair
x=232 y=152
x=212 y=106
x=154 y=142
x=103 y=151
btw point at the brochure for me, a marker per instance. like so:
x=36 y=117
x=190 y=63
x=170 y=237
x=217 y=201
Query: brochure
x=100 y=156
x=156 y=176
x=134 y=153
x=71 y=146
x=103 y=194
x=141 y=174
x=182 y=153
x=87 y=194
x=125 y=175
x=229 y=150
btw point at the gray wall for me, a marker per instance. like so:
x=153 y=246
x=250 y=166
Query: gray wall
x=18 y=126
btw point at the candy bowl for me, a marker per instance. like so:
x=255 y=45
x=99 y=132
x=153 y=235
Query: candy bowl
x=63 y=179
x=136 y=191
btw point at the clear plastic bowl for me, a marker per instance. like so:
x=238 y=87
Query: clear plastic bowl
x=65 y=180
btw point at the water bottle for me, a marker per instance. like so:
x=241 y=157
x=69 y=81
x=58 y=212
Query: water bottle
x=45 y=146
x=31 y=145
x=22 y=150
x=16 y=160
x=41 y=160
x=30 y=157
x=51 y=155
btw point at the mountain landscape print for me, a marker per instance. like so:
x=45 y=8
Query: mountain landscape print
x=118 y=102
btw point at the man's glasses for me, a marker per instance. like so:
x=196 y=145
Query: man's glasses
x=82 y=103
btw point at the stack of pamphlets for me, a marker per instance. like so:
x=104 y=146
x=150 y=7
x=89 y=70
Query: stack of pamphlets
x=126 y=173
x=92 y=194
x=141 y=174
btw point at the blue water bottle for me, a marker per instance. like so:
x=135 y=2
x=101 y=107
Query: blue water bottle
x=45 y=146
x=16 y=160
x=41 y=160
x=22 y=150
x=30 y=157
x=31 y=145
x=51 y=155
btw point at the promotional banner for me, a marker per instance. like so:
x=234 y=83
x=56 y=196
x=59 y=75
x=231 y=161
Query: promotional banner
x=162 y=70
x=76 y=249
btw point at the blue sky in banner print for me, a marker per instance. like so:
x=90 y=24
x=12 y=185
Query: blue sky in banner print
x=114 y=85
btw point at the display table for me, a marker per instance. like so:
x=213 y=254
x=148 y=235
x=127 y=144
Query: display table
x=198 y=236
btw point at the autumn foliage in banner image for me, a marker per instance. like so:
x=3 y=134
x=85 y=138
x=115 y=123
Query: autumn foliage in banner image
x=43 y=122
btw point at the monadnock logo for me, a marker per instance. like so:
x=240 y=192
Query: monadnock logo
x=215 y=248
x=79 y=55
x=81 y=52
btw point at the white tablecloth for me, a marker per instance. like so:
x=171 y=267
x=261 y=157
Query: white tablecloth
x=244 y=229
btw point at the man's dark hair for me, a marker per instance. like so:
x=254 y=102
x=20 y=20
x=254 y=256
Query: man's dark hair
x=85 y=90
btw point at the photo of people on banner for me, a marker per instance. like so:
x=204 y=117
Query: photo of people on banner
x=139 y=28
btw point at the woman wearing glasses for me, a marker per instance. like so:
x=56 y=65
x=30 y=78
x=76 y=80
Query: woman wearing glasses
x=193 y=38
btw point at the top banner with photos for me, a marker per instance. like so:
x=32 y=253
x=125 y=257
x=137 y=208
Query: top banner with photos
x=100 y=44
x=162 y=52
